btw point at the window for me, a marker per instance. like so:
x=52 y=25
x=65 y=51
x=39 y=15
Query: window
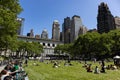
x=43 y=44
x=48 y=44
x=53 y=45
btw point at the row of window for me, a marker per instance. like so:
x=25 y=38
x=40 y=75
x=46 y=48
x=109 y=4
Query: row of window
x=53 y=45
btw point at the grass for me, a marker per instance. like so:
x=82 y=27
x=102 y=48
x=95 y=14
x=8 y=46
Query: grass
x=76 y=72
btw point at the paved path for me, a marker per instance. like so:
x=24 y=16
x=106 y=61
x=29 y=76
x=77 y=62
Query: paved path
x=1 y=68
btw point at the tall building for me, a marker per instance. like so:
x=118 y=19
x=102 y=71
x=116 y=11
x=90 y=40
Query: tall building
x=44 y=34
x=82 y=30
x=37 y=36
x=31 y=34
x=66 y=30
x=117 y=22
x=71 y=28
x=20 y=28
x=56 y=30
x=75 y=27
x=105 y=20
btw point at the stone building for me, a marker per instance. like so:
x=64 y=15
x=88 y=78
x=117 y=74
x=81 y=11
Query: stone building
x=117 y=22
x=20 y=28
x=82 y=30
x=31 y=34
x=105 y=20
x=76 y=23
x=44 y=34
x=66 y=30
x=56 y=30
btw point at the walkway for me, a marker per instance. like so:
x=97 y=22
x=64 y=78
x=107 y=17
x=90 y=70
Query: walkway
x=1 y=68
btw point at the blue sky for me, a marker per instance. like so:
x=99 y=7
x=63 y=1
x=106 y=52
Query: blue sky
x=40 y=14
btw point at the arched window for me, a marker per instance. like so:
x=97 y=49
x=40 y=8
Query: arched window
x=43 y=44
x=48 y=44
x=53 y=45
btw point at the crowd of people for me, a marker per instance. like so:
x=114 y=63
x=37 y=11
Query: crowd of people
x=13 y=71
x=13 y=68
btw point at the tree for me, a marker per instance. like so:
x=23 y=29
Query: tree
x=9 y=10
x=59 y=49
x=115 y=37
x=29 y=49
x=104 y=46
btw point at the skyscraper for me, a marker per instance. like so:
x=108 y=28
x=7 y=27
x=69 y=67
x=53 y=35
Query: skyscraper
x=20 y=28
x=44 y=34
x=66 y=30
x=71 y=28
x=31 y=34
x=56 y=30
x=117 y=22
x=105 y=20
x=75 y=27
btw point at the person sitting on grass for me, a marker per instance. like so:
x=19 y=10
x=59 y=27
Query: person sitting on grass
x=55 y=65
x=89 y=68
x=85 y=65
x=114 y=67
x=102 y=69
x=96 y=71
x=108 y=67
x=66 y=64
x=35 y=64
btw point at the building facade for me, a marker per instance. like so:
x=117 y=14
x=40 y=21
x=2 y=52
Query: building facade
x=66 y=30
x=82 y=30
x=56 y=30
x=31 y=34
x=92 y=30
x=105 y=20
x=20 y=28
x=72 y=28
x=37 y=36
x=117 y=22
x=75 y=27
x=44 y=34
x=48 y=44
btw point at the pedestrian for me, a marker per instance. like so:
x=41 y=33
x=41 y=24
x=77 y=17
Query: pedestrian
x=26 y=62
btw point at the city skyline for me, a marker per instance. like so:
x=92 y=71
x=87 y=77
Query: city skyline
x=41 y=14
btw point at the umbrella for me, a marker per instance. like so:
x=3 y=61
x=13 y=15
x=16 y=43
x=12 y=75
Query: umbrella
x=116 y=57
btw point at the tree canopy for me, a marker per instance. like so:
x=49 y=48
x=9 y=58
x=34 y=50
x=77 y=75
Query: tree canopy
x=93 y=44
x=9 y=11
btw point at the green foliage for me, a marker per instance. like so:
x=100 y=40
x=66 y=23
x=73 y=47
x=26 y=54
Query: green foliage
x=31 y=48
x=93 y=44
x=61 y=49
x=9 y=10
x=98 y=45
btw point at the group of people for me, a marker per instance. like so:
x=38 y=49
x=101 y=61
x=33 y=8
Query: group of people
x=11 y=71
x=96 y=70
x=102 y=68
x=111 y=67
x=56 y=64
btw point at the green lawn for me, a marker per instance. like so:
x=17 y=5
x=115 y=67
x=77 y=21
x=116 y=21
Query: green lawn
x=76 y=72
